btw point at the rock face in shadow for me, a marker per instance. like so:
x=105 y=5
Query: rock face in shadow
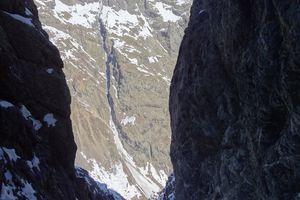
x=37 y=148
x=235 y=102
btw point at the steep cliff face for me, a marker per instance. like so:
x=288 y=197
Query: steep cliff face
x=37 y=148
x=119 y=57
x=234 y=102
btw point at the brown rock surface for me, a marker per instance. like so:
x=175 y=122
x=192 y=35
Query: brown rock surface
x=119 y=57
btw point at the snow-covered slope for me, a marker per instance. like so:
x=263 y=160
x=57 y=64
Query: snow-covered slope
x=119 y=57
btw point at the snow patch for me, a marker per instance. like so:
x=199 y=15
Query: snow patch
x=167 y=79
x=145 y=71
x=5 y=104
x=27 y=115
x=50 y=120
x=24 y=20
x=113 y=18
x=115 y=179
x=133 y=61
x=11 y=153
x=24 y=192
x=27 y=191
x=160 y=177
x=166 y=12
x=49 y=70
x=180 y=2
x=116 y=92
x=123 y=23
x=147 y=186
x=152 y=59
x=7 y=192
x=103 y=187
x=118 y=44
x=34 y=163
x=58 y=35
x=40 y=2
x=145 y=29
x=83 y=15
x=8 y=176
x=28 y=12
x=128 y=120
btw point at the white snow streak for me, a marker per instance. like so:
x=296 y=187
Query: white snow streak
x=25 y=20
x=5 y=104
x=83 y=15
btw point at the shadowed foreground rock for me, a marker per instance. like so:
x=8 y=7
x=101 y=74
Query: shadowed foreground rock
x=235 y=102
x=37 y=148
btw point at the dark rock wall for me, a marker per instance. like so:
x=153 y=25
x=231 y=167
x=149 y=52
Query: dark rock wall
x=235 y=102
x=37 y=148
x=26 y=55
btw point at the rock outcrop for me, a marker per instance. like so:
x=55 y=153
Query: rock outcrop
x=168 y=193
x=37 y=148
x=235 y=104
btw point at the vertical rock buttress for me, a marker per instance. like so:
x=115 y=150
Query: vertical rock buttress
x=37 y=147
x=235 y=104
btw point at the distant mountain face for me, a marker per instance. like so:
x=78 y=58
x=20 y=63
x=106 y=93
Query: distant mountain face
x=119 y=57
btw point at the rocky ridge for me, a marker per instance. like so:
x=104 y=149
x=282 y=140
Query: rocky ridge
x=119 y=57
x=37 y=147
x=234 y=102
